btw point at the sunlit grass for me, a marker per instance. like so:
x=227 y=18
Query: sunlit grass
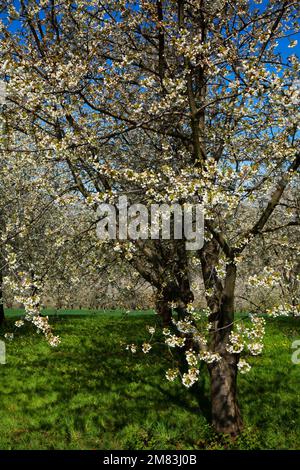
x=90 y=393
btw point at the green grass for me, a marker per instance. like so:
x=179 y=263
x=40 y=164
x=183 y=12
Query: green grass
x=17 y=312
x=90 y=393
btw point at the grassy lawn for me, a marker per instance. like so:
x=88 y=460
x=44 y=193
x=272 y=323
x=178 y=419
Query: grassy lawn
x=90 y=393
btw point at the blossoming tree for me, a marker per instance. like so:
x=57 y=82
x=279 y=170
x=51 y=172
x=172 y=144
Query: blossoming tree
x=169 y=101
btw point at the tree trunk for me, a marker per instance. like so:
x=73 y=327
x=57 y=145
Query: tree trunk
x=226 y=416
x=178 y=292
x=164 y=310
x=2 y=315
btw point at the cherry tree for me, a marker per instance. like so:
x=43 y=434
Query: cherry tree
x=169 y=102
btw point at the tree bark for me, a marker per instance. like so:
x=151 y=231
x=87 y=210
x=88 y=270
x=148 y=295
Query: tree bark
x=164 y=310
x=226 y=416
x=179 y=292
x=2 y=315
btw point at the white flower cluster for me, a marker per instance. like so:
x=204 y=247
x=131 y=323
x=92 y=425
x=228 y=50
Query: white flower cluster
x=236 y=345
x=190 y=308
x=190 y=48
x=284 y=310
x=191 y=358
x=54 y=341
x=268 y=278
x=31 y=304
x=209 y=357
x=200 y=340
x=255 y=348
x=243 y=366
x=221 y=269
x=151 y=329
x=173 y=341
x=131 y=347
x=172 y=374
x=185 y=326
x=25 y=290
x=42 y=325
x=248 y=339
x=9 y=336
x=258 y=327
x=190 y=377
x=146 y=347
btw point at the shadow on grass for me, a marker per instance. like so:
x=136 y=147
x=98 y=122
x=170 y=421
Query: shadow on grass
x=91 y=385
x=91 y=393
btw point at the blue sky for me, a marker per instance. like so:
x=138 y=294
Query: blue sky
x=282 y=43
